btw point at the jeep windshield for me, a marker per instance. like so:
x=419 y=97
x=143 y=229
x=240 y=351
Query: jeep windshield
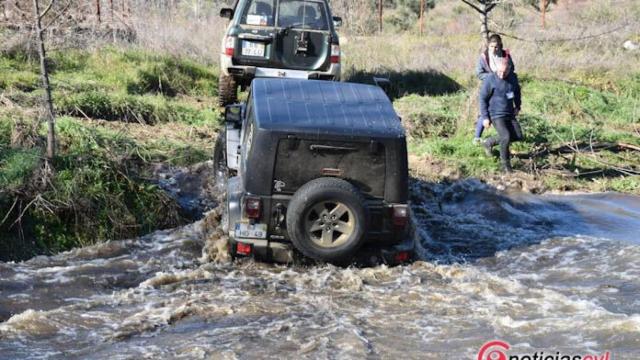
x=300 y=14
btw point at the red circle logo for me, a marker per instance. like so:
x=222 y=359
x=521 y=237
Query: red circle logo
x=493 y=350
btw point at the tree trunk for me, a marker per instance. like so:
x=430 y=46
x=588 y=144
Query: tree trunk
x=484 y=29
x=51 y=137
x=543 y=11
x=98 y=11
x=421 y=17
x=380 y=16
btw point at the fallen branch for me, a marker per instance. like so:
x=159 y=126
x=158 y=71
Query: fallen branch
x=9 y=212
x=629 y=146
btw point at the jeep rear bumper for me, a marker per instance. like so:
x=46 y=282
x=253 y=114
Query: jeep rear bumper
x=368 y=255
x=250 y=72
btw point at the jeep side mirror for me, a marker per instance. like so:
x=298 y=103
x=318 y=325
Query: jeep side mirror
x=226 y=13
x=337 y=21
x=233 y=114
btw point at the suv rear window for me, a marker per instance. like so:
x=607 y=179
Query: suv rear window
x=303 y=14
x=300 y=161
x=259 y=13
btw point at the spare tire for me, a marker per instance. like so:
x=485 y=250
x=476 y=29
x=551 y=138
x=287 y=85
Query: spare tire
x=327 y=220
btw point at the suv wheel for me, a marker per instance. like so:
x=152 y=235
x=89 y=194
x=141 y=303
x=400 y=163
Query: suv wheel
x=227 y=90
x=327 y=219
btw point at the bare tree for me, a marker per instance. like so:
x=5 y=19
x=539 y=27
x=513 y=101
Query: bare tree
x=542 y=6
x=484 y=7
x=98 y=11
x=421 y=17
x=38 y=15
x=380 y=6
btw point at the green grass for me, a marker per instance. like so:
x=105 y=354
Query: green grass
x=158 y=109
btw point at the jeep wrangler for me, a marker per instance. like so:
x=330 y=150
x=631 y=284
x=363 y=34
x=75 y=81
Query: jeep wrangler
x=277 y=38
x=315 y=166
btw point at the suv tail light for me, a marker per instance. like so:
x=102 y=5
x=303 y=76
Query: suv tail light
x=400 y=215
x=335 y=53
x=252 y=207
x=243 y=249
x=229 y=45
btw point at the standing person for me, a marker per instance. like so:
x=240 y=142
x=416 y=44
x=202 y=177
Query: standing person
x=500 y=103
x=493 y=56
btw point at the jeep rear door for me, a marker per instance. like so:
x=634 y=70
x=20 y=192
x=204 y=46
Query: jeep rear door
x=287 y=34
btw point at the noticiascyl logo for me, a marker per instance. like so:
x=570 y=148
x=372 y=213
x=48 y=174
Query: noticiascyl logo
x=493 y=350
x=497 y=350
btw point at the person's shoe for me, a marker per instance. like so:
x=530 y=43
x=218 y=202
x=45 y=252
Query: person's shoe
x=477 y=141
x=487 y=148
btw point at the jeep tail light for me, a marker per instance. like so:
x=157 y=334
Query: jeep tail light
x=402 y=256
x=252 y=207
x=243 y=249
x=335 y=53
x=229 y=45
x=400 y=215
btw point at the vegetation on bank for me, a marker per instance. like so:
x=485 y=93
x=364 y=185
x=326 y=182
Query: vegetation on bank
x=121 y=112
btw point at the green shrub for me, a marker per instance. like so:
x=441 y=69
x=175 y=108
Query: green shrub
x=171 y=77
x=426 y=116
x=16 y=166
x=130 y=108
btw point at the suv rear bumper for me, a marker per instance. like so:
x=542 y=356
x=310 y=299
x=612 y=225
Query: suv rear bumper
x=368 y=255
x=250 y=72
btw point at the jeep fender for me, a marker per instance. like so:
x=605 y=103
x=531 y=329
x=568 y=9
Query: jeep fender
x=233 y=147
x=234 y=195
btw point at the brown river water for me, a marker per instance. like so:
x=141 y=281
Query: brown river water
x=552 y=273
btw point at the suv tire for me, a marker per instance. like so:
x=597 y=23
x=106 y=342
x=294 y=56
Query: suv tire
x=327 y=219
x=227 y=90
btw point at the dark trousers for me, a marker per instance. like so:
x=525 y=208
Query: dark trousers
x=479 y=127
x=506 y=134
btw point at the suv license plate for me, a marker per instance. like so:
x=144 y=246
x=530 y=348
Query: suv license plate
x=249 y=231
x=252 y=48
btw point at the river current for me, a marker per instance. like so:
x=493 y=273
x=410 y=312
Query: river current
x=552 y=273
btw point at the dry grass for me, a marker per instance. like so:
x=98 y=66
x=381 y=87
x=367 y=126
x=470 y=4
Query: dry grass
x=580 y=39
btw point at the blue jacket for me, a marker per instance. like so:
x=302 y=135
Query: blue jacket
x=498 y=97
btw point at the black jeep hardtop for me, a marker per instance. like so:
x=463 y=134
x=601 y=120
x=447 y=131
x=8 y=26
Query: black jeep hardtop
x=291 y=112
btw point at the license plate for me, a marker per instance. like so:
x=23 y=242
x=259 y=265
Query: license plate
x=252 y=48
x=251 y=231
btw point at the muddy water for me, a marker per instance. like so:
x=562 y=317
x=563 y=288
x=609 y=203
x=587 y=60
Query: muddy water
x=545 y=273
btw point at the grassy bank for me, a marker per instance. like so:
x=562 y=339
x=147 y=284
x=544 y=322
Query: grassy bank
x=120 y=113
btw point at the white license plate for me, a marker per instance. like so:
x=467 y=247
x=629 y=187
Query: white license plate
x=252 y=48
x=249 y=231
